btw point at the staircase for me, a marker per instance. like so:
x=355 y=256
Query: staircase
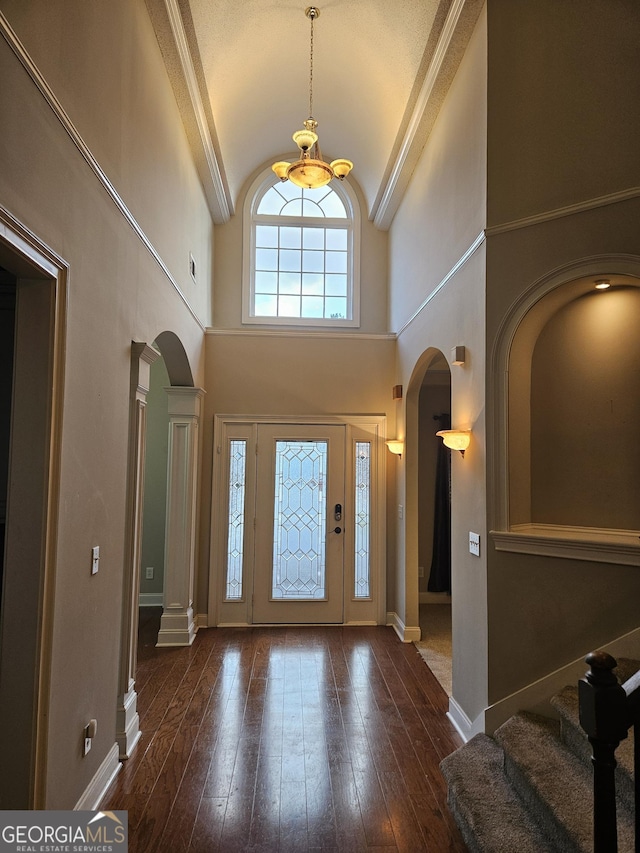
x=529 y=788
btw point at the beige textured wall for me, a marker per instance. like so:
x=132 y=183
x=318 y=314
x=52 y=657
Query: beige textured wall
x=585 y=405
x=104 y=65
x=440 y=217
x=562 y=125
x=563 y=95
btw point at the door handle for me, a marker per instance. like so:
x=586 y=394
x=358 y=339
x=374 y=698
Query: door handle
x=337 y=512
x=337 y=530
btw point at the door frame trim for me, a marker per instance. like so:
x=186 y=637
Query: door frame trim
x=375 y=426
x=30 y=259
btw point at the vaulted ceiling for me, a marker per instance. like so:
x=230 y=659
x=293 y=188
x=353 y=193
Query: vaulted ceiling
x=240 y=72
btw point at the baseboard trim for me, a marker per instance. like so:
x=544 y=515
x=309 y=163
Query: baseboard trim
x=461 y=722
x=97 y=788
x=406 y=634
x=535 y=696
x=151 y=599
x=202 y=620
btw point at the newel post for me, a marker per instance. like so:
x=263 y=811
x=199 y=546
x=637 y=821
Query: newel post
x=603 y=716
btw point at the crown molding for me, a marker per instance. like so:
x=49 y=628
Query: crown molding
x=456 y=32
x=197 y=119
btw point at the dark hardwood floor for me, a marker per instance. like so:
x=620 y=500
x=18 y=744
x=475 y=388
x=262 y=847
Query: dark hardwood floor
x=287 y=739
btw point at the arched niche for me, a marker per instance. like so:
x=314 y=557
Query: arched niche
x=567 y=416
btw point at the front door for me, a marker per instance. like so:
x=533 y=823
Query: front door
x=299 y=524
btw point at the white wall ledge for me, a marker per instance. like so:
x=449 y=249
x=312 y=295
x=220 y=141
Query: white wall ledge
x=593 y=544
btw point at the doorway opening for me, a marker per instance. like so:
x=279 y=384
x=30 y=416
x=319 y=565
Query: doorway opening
x=434 y=521
x=32 y=305
x=298 y=521
x=154 y=517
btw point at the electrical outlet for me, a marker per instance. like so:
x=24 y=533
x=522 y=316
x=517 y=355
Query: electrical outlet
x=420 y=571
x=474 y=544
x=400 y=511
x=149 y=573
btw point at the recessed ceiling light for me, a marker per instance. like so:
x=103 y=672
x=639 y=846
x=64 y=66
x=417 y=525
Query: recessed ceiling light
x=603 y=284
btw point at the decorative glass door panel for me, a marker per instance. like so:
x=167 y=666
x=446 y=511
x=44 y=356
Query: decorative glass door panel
x=298 y=574
x=300 y=515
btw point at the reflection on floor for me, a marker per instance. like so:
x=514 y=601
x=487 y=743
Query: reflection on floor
x=435 y=645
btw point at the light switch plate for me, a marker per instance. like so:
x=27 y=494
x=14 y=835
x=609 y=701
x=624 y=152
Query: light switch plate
x=474 y=544
x=95 y=559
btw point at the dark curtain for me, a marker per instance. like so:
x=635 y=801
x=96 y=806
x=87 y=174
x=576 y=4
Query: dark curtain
x=440 y=574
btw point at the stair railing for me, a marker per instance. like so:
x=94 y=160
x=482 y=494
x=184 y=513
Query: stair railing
x=608 y=710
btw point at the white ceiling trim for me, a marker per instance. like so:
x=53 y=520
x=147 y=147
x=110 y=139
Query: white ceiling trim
x=221 y=208
x=394 y=189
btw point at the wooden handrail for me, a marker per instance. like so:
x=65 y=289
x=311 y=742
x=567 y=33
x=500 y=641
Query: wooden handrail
x=608 y=709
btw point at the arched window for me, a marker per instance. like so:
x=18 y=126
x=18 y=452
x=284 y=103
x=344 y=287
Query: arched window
x=300 y=260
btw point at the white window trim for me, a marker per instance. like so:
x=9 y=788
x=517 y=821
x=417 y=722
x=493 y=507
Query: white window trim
x=254 y=195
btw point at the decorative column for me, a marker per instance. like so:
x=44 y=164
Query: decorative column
x=177 y=626
x=127 y=720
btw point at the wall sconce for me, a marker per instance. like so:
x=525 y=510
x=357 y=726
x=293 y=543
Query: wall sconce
x=456 y=439
x=458 y=355
x=396 y=446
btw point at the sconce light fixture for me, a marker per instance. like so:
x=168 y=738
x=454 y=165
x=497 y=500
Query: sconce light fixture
x=456 y=439
x=458 y=355
x=396 y=446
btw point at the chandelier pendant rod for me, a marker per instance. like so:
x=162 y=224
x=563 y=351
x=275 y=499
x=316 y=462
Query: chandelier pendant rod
x=312 y=12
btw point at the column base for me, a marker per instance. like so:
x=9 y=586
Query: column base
x=127 y=722
x=177 y=628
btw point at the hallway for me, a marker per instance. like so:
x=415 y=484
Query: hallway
x=287 y=739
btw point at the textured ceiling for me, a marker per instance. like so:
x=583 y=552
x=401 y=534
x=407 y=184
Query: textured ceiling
x=381 y=70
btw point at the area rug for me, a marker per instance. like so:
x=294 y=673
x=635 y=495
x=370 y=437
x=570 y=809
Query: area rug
x=435 y=645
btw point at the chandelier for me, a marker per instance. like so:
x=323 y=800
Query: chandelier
x=311 y=171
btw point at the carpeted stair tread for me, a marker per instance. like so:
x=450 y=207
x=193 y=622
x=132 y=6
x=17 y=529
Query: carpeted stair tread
x=555 y=785
x=574 y=737
x=489 y=813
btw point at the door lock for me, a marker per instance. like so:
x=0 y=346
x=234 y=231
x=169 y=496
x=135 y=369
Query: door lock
x=337 y=512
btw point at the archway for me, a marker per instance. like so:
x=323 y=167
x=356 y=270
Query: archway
x=428 y=483
x=180 y=463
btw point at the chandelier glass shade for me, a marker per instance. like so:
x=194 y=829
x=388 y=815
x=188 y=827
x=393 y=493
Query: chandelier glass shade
x=311 y=171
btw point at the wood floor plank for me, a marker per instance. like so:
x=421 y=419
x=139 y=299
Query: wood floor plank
x=287 y=739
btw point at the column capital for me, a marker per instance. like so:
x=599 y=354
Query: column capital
x=184 y=401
